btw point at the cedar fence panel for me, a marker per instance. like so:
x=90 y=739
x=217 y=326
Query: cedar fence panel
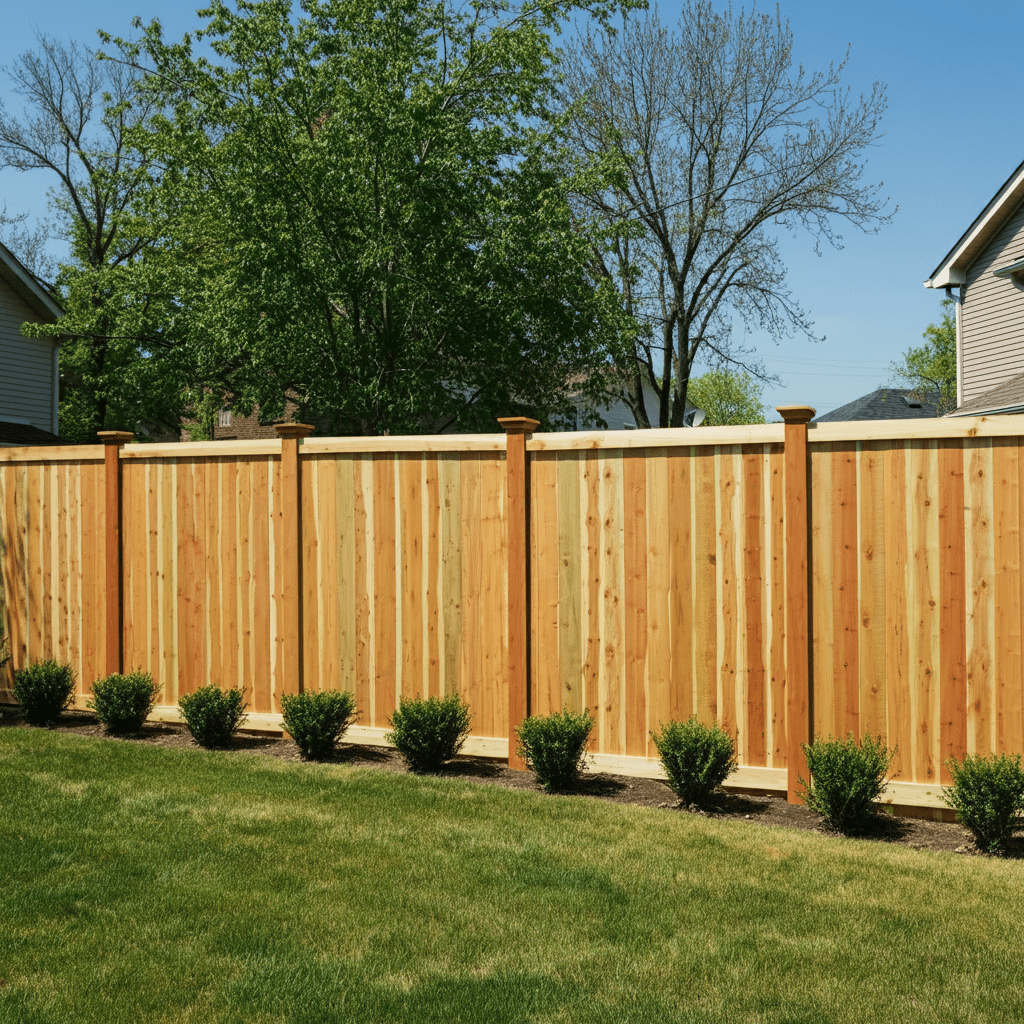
x=656 y=571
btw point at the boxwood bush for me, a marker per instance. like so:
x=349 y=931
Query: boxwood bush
x=44 y=689
x=122 y=702
x=318 y=719
x=555 y=747
x=988 y=796
x=847 y=778
x=697 y=758
x=429 y=731
x=213 y=715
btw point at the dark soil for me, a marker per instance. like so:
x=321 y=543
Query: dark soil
x=919 y=834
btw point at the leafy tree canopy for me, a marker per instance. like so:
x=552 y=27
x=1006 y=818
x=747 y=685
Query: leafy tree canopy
x=931 y=368
x=728 y=397
x=374 y=198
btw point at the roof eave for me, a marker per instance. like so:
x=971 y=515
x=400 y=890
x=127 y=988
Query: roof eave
x=29 y=289
x=952 y=270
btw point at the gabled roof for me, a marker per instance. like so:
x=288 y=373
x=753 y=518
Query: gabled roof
x=885 y=404
x=27 y=287
x=1004 y=398
x=953 y=268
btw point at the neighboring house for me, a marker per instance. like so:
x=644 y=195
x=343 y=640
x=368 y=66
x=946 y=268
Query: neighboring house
x=885 y=404
x=984 y=274
x=28 y=366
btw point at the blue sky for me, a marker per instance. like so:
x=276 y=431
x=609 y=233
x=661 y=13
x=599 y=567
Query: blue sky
x=953 y=135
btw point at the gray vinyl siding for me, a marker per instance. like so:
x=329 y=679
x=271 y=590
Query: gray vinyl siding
x=26 y=366
x=993 y=313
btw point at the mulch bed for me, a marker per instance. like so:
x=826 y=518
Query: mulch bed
x=919 y=834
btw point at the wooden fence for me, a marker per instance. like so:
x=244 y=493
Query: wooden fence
x=784 y=580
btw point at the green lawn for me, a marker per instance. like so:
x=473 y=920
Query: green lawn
x=144 y=884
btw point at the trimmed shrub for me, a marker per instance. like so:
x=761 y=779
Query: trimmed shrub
x=697 y=758
x=44 y=689
x=847 y=778
x=122 y=702
x=213 y=715
x=428 y=731
x=555 y=747
x=317 y=720
x=988 y=797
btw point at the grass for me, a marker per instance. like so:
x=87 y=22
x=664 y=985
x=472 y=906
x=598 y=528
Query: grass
x=145 y=884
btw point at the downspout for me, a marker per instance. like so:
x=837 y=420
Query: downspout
x=958 y=299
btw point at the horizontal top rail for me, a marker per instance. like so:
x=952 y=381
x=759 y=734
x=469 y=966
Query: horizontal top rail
x=584 y=440
x=912 y=430
x=54 y=453
x=411 y=443
x=201 y=449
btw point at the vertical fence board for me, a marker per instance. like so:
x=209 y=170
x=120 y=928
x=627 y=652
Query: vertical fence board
x=659 y=683
x=570 y=560
x=753 y=638
x=872 y=553
x=634 y=602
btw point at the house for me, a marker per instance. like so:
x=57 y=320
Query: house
x=984 y=274
x=885 y=404
x=28 y=366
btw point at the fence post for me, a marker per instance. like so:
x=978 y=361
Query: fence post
x=518 y=474
x=291 y=556
x=113 y=442
x=799 y=724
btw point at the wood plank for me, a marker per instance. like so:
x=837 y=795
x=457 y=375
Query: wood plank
x=823 y=568
x=312 y=552
x=728 y=515
x=658 y=682
x=978 y=501
x=611 y=725
x=845 y=666
x=431 y=527
x=962 y=427
x=705 y=588
x=871 y=652
x=245 y=578
x=897 y=660
x=634 y=596
x=674 y=437
x=952 y=606
x=394 y=444
x=384 y=593
x=1007 y=673
x=34 y=563
x=590 y=612
x=680 y=511
x=492 y=716
x=264 y=640
x=570 y=584
x=545 y=682
x=923 y=610
x=410 y=512
x=777 y=604
x=471 y=660
x=449 y=468
x=338 y=491
x=364 y=588
x=753 y=708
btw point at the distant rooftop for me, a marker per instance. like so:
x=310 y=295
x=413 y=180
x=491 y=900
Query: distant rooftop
x=886 y=404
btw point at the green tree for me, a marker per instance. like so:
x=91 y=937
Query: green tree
x=931 y=368
x=378 y=193
x=727 y=397
x=76 y=116
x=721 y=141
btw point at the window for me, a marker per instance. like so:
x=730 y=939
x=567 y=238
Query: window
x=224 y=418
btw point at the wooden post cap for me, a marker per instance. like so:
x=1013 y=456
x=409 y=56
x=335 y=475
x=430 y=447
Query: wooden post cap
x=114 y=436
x=518 y=424
x=796 y=413
x=294 y=430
